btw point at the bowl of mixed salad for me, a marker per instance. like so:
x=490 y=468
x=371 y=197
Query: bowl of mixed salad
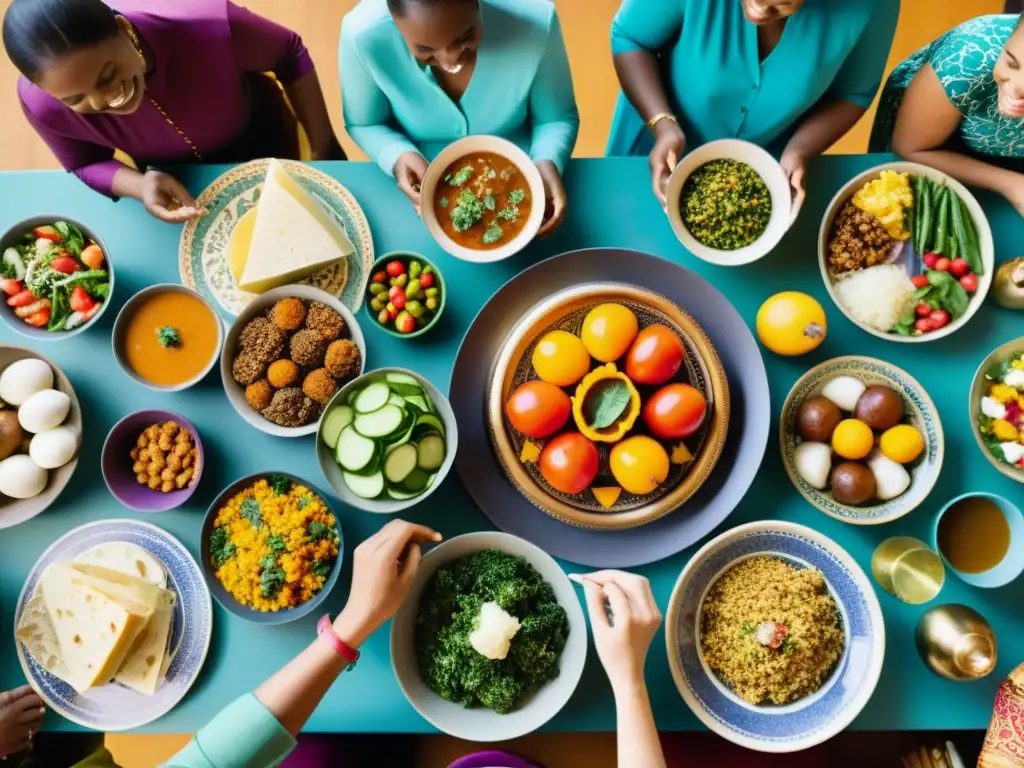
x=997 y=408
x=55 y=277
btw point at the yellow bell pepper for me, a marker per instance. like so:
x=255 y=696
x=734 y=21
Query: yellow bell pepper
x=618 y=428
x=1004 y=430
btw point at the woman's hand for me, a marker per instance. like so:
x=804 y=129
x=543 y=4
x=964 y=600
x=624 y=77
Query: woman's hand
x=622 y=642
x=795 y=166
x=410 y=168
x=554 y=197
x=669 y=143
x=382 y=572
x=167 y=199
x=21 y=714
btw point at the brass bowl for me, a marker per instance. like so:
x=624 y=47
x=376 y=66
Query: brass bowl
x=702 y=369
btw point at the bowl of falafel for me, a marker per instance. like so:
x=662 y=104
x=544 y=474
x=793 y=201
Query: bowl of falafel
x=286 y=355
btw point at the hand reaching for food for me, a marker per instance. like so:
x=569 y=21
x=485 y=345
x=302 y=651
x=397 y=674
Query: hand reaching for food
x=668 y=150
x=21 y=714
x=410 y=168
x=167 y=199
x=383 y=570
x=554 y=198
x=795 y=166
x=624 y=618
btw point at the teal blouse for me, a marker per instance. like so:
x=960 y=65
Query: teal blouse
x=521 y=88
x=244 y=735
x=830 y=49
x=963 y=59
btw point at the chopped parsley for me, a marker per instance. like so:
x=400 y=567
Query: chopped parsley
x=493 y=234
x=318 y=530
x=468 y=212
x=304 y=502
x=271 y=577
x=443 y=202
x=279 y=484
x=789 y=644
x=168 y=336
x=748 y=629
x=461 y=176
x=321 y=569
x=516 y=196
x=509 y=213
x=221 y=548
x=251 y=511
x=489 y=203
x=276 y=544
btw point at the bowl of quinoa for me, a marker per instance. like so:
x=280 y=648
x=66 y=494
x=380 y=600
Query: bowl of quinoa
x=271 y=548
x=729 y=202
x=775 y=636
x=286 y=355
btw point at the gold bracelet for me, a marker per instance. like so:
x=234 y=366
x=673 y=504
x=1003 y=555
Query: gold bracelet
x=659 y=117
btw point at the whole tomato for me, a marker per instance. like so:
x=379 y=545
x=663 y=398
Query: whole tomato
x=655 y=357
x=675 y=411
x=538 y=409
x=569 y=463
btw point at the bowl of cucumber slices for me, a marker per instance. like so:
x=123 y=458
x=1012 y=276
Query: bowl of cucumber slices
x=387 y=440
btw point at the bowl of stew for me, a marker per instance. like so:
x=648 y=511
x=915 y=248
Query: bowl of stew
x=729 y=202
x=483 y=199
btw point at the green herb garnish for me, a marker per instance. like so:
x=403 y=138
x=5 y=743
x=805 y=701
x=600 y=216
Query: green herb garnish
x=748 y=629
x=606 y=401
x=168 y=336
x=493 y=234
x=321 y=569
x=506 y=173
x=489 y=202
x=509 y=213
x=516 y=196
x=271 y=577
x=305 y=501
x=221 y=548
x=789 y=644
x=276 y=543
x=468 y=212
x=251 y=511
x=461 y=176
x=279 y=484
x=318 y=530
x=443 y=202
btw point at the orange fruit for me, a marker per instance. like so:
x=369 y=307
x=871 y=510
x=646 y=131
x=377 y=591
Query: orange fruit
x=561 y=359
x=791 y=323
x=639 y=464
x=608 y=330
x=853 y=439
x=902 y=443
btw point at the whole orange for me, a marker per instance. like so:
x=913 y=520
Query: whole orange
x=791 y=323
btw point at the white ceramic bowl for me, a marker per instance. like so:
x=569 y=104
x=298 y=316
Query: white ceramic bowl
x=988 y=254
x=121 y=327
x=258 y=306
x=480 y=724
x=805 y=722
x=766 y=166
x=468 y=146
x=332 y=472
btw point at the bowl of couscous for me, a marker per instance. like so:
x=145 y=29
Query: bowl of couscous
x=271 y=548
x=775 y=636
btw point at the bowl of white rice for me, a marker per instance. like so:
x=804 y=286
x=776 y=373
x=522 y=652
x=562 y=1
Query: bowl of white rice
x=878 y=294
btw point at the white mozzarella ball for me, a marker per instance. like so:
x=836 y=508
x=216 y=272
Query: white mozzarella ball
x=844 y=391
x=22 y=379
x=44 y=410
x=53 y=448
x=21 y=478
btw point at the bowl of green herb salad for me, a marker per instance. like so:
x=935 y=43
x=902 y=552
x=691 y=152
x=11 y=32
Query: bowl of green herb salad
x=56 y=277
x=729 y=202
x=491 y=642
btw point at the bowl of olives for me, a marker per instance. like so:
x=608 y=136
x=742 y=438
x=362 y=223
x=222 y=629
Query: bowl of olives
x=861 y=440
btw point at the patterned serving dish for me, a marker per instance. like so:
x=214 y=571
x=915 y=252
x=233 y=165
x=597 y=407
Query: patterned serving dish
x=566 y=310
x=114 y=707
x=979 y=388
x=203 y=250
x=921 y=413
x=805 y=722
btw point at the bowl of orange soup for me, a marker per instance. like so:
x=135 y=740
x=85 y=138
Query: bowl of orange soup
x=482 y=199
x=167 y=337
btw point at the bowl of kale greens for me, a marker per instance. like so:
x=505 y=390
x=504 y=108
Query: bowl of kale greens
x=491 y=642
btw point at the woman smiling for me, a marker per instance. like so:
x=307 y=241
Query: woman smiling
x=958 y=105
x=419 y=74
x=166 y=82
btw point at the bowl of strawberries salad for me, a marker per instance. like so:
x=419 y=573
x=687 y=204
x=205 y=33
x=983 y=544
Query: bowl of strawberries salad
x=55 y=276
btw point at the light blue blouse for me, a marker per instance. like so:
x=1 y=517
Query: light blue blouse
x=521 y=88
x=243 y=735
x=832 y=49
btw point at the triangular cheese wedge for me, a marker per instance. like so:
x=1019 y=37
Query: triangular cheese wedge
x=293 y=236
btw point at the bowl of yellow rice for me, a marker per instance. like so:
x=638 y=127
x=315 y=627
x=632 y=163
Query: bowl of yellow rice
x=271 y=548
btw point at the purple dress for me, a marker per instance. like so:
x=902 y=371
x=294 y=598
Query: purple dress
x=203 y=56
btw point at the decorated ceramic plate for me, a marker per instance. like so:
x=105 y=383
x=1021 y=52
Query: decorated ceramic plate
x=845 y=689
x=203 y=251
x=920 y=413
x=114 y=707
x=688 y=463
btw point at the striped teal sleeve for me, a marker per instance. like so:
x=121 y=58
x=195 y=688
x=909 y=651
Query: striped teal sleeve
x=244 y=735
x=553 y=113
x=860 y=76
x=646 y=25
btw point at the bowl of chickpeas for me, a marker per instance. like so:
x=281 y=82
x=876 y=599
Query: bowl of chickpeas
x=152 y=461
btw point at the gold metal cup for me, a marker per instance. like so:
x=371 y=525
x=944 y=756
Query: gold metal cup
x=908 y=569
x=957 y=642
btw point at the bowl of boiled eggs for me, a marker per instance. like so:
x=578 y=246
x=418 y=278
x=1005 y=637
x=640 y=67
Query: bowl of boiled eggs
x=40 y=432
x=861 y=440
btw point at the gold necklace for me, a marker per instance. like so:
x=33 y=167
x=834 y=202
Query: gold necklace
x=134 y=37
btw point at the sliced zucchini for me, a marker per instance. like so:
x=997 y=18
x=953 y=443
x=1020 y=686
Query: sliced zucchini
x=395 y=377
x=339 y=417
x=354 y=452
x=400 y=495
x=379 y=423
x=407 y=390
x=399 y=463
x=401 y=437
x=430 y=452
x=430 y=480
x=396 y=400
x=14 y=263
x=365 y=486
x=373 y=397
x=428 y=424
x=350 y=398
x=420 y=401
x=416 y=481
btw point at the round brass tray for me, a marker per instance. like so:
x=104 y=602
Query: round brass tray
x=702 y=369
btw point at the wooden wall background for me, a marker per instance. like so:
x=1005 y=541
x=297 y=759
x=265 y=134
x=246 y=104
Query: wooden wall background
x=586 y=24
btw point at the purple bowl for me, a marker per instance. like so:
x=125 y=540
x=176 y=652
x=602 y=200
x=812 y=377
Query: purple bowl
x=117 y=465
x=494 y=759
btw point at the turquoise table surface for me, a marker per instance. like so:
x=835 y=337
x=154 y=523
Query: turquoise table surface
x=610 y=205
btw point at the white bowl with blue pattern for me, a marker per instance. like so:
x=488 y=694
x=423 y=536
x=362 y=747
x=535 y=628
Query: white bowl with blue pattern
x=920 y=413
x=814 y=718
x=114 y=707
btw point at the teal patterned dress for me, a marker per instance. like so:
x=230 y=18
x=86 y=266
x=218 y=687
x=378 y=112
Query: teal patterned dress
x=963 y=59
